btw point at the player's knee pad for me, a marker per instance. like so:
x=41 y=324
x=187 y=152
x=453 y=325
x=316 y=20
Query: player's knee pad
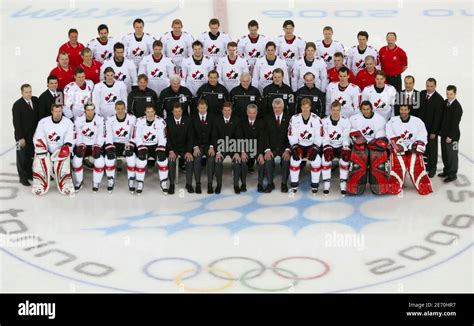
x=99 y=162
x=76 y=161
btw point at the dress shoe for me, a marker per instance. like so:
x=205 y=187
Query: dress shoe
x=284 y=188
x=450 y=179
x=237 y=190
x=243 y=188
x=171 y=189
x=198 y=188
x=260 y=188
x=218 y=189
x=442 y=175
x=190 y=189
x=25 y=182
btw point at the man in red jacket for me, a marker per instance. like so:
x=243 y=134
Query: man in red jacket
x=333 y=73
x=73 y=48
x=90 y=65
x=63 y=71
x=366 y=77
x=394 y=61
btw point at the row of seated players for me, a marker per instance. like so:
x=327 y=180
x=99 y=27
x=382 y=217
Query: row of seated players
x=361 y=144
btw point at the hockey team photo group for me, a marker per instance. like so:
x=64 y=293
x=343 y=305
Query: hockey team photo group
x=277 y=106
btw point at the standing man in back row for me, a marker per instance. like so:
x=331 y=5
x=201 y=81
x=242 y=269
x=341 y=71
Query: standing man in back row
x=394 y=61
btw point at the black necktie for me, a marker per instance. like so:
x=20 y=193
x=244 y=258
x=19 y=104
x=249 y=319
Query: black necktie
x=203 y=121
x=29 y=104
x=278 y=121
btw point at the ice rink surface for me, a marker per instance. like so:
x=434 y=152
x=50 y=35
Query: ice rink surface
x=238 y=243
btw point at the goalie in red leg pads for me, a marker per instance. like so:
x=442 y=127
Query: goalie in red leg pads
x=408 y=137
x=368 y=139
x=336 y=145
x=53 y=142
x=305 y=134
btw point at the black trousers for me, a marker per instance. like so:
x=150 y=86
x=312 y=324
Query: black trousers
x=395 y=81
x=219 y=169
x=449 y=154
x=431 y=154
x=24 y=161
x=172 y=169
x=245 y=170
x=198 y=165
x=270 y=169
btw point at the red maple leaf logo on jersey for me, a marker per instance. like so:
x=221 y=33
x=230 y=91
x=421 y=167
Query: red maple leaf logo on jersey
x=88 y=132
x=122 y=132
x=268 y=75
x=253 y=53
x=120 y=76
x=360 y=64
x=197 y=75
x=232 y=74
x=177 y=50
x=111 y=98
x=54 y=137
x=305 y=135
x=341 y=100
x=138 y=52
x=288 y=54
x=106 y=55
x=335 y=135
x=326 y=57
x=367 y=131
x=379 y=104
x=149 y=136
x=406 y=135
x=213 y=49
x=157 y=73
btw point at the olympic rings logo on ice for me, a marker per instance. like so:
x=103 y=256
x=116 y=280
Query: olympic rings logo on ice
x=229 y=279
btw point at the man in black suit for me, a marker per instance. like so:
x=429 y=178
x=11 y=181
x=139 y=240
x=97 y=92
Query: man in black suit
x=409 y=96
x=226 y=133
x=275 y=143
x=179 y=143
x=450 y=134
x=49 y=97
x=25 y=120
x=431 y=111
x=203 y=125
x=252 y=131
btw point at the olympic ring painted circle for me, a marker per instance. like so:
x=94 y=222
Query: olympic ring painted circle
x=197 y=268
x=278 y=262
x=295 y=281
x=261 y=270
x=179 y=280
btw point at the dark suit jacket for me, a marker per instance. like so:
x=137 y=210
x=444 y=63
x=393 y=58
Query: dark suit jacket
x=202 y=132
x=274 y=138
x=431 y=111
x=25 y=119
x=222 y=130
x=179 y=139
x=46 y=99
x=451 y=119
x=255 y=132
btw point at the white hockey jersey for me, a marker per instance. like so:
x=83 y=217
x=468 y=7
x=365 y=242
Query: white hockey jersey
x=336 y=133
x=214 y=49
x=102 y=51
x=148 y=134
x=195 y=75
x=348 y=97
x=262 y=75
x=355 y=61
x=230 y=72
x=137 y=49
x=158 y=72
x=384 y=102
x=119 y=131
x=89 y=132
x=305 y=134
x=177 y=48
x=54 y=135
x=251 y=50
x=76 y=97
x=371 y=128
x=326 y=52
x=290 y=51
x=318 y=68
x=126 y=71
x=410 y=131
x=105 y=96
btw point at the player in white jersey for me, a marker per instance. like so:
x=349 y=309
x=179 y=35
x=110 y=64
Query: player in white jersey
x=289 y=46
x=231 y=67
x=77 y=94
x=305 y=134
x=252 y=46
x=382 y=96
x=53 y=141
x=263 y=70
x=119 y=130
x=336 y=145
x=214 y=41
x=309 y=63
x=346 y=93
x=355 y=58
x=408 y=137
x=103 y=46
x=138 y=44
x=89 y=137
x=158 y=68
x=370 y=124
x=327 y=47
x=107 y=93
x=150 y=139
x=177 y=44
x=195 y=69
x=125 y=69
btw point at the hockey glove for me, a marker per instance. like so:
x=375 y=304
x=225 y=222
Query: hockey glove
x=110 y=151
x=296 y=152
x=328 y=153
x=96 y=151
x=142 y=153
x=79 y=150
